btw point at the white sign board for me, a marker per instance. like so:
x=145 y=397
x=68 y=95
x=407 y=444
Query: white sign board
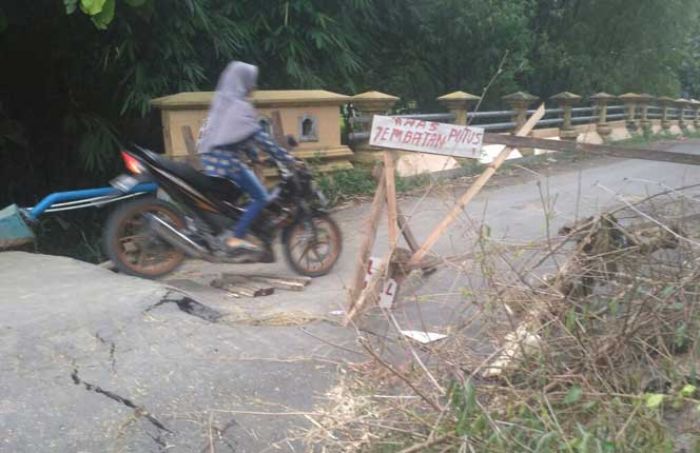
x=426 y=136
x=388 y=294
x=386 y=298
x=373 y=265
x=423 y=337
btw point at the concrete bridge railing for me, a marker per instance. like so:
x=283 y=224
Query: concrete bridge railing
x=608 y=118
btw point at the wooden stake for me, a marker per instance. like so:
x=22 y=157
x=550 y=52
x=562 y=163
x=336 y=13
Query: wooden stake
x=278 y=129
x=400 y=218
x=406 y=231
x=391 y=208
x=241 y=286
x=473 y=190
x=370 y=233
x=371 y=292
x=190 y=145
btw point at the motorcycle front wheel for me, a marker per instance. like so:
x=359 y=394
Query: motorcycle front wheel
x=312 y=249
x=133 y=248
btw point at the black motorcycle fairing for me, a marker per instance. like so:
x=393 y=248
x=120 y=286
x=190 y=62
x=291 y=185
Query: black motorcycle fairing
x=200 y=192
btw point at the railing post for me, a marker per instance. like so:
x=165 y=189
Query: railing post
x=644 y=101
x=371 y=103
x=519 y=102
x=696 y=113
x=458 y=104
x=601 y=100
x=566 y=101
x=665 y=102
x=682 y=103
x=630 y=100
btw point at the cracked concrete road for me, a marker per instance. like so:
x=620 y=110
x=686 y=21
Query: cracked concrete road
x=93 y=363
x=90 y=364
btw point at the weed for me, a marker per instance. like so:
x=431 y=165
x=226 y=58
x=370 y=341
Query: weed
x=608 y=365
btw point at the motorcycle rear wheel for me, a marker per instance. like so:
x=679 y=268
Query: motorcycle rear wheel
x=131 y=246
x=313 y=255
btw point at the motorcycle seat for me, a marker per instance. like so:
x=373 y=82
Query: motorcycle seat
x=198 y=179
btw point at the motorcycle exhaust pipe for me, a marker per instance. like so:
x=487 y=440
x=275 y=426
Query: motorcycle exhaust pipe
x=172 y=236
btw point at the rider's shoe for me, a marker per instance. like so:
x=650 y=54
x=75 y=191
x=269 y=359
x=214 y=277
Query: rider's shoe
x=235 y=245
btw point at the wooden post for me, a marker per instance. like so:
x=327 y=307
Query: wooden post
x=406 y=231
x=278 y=129
x=191 y=146
x=370 y=233
x=372 y=290
x=401 y=219
x=473 y=190
x=391 y=208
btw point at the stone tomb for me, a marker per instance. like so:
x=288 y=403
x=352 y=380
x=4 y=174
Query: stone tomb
x=312 y=116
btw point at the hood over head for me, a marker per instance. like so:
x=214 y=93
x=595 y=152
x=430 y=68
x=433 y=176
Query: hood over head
x=238 y=80
x=232 y=118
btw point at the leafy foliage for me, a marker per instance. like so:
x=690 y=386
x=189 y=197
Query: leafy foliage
x=81 y=73
x=610 y=45
x=419 y=49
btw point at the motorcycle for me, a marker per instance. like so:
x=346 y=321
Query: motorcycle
x=151 y=237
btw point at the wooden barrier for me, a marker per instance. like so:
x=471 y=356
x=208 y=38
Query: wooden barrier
x=363 y=292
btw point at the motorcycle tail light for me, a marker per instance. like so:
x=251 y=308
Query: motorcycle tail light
x=132 y=164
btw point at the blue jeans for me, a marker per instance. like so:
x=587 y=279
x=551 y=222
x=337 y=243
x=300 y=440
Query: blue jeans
x=225 y=163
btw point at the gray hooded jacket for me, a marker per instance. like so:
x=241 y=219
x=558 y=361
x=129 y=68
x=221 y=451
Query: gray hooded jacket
x=232 y=118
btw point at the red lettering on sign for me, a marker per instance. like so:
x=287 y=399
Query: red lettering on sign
x=454 y=133
x=389 y=288
x=409 y=122
x=420 y=125
x=466 y=134
x=407 y=136
x=417 y=136
x=434 y=126
x=385 y=134
x=379 y=133
x=396 y=135
x=397 y=121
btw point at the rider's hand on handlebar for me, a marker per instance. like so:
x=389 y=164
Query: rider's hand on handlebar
x=299 y=165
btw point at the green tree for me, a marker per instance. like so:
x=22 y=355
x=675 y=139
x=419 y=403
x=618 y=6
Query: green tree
x=82 y=72
x=419 y=49
x=610 y=45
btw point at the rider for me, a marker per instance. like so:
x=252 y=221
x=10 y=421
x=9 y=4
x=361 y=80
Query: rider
x=232 y=129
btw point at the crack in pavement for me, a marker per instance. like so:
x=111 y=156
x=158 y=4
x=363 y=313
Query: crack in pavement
x=112 y=350
x=191 y=307
x=139 y=411
x=220 y=433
